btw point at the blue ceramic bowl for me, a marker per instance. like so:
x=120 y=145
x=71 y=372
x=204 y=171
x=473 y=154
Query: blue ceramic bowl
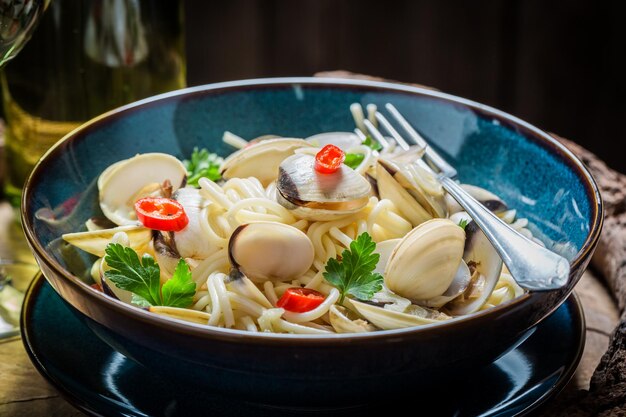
x=525 y=166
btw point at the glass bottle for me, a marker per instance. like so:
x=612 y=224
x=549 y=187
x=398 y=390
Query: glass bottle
x=85 y=58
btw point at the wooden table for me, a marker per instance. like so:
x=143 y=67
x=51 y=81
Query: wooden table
x=23 y=392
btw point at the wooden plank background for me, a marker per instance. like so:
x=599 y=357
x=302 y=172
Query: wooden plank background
x=557 y=64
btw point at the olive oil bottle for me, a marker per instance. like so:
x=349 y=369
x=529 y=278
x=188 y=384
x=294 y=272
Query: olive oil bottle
x=85 y=58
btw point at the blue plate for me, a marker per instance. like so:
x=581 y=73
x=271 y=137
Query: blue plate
x=100 y=381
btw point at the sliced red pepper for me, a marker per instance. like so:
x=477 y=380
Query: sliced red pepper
x=329 y=159
x=159 y=213
x=300 y=300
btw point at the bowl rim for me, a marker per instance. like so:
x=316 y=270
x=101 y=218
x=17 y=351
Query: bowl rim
x=531 y=132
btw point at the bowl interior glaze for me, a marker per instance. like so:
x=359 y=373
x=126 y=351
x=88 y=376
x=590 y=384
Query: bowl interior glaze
x=531 y=172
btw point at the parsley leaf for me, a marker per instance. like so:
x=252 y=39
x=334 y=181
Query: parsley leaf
x=179 y=290
x=463 y=223
x=372 y=143
x=353 y=160
x=203 y=164
x=142 y=278
x=354 y=275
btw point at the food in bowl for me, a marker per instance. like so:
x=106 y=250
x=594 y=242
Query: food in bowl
x=526 y=167
x=328 y=234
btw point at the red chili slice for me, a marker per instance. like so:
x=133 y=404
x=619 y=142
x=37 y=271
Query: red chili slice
x=300 y=300
x=329 y=159
x=159 y=213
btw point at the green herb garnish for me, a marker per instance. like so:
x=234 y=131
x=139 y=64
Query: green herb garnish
x=354 y=275
x=463 y=223
x=203 y=164
x=142 y=278
x=353 y=160
x=371 y=143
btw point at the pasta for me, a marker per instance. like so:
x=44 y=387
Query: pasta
x=242 y=281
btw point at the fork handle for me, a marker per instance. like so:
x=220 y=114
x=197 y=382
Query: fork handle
x=534 y=267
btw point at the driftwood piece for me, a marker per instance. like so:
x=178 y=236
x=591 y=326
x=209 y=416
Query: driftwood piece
x=607 y=390
x=610 y=256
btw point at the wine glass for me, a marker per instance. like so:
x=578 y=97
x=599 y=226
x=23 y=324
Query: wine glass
x=18 y=19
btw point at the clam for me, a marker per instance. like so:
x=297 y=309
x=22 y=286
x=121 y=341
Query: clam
x=390 y=301
x=96 y=241
x=346 y=321
x=399 y=186
x=270 y=251
x=461 y=216
x=424 y=263
x=315 y=196
x=126 y=181
x=485 y=266
x=387 y=319
x=343 y=140
x=461 y=281
x=191 y=242
x=165 y=252
x=241 y=284
x=487 y=198
x=262 y=159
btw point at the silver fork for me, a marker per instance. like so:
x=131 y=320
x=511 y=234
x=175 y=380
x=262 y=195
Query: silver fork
x=534 y=267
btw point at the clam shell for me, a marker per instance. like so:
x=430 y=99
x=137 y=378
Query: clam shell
x=424 y=263
x=345 y=321
x=422 y=184
x=389 y=319
x=191 y=242
x=343 y=140
x=488 y=264
x=270 y=251
x=487 y=198
x=390 y=188
x=262 y=159
x=459 y=284
x=96 y=241
x=124 y=182
x=315 y=196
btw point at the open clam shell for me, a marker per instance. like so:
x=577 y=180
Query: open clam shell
x=486 y=266
x=96 y=241
x=422 y=184
x=315 y=196
x=262 y=159
x=124 y=182
x=389 y=319
x=346 y=321
x=191 y=242
x=391 y=188
x=343 y=140
x=487 y=198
